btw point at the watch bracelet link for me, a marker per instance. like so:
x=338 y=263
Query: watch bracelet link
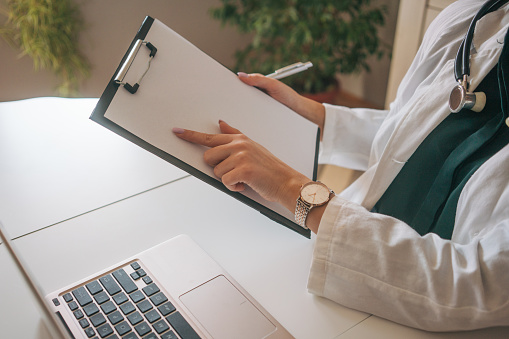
x=301 y=213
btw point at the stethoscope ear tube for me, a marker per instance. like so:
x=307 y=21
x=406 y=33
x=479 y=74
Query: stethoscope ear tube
x=462 y=64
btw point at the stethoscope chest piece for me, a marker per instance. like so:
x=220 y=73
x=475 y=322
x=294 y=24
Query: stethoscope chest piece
x=460 y=98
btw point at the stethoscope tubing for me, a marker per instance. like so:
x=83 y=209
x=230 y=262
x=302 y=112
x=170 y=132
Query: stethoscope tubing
x=462 y=62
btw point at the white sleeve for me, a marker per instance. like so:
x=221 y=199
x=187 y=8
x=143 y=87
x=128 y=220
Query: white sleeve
x=348 y=135
x=380 y=265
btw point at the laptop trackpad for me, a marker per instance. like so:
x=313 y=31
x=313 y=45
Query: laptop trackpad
x=225 y=312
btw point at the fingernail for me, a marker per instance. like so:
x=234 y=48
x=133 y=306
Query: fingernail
x=177 y=130
x=243 y=75
x=220 y=121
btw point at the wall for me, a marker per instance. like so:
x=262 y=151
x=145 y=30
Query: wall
x=372 y=86
x=414 y=18
x=111 y=25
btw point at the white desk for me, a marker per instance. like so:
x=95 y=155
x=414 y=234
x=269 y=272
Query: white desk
x=270 y=261
x=55 y=163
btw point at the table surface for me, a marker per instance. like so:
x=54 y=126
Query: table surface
x=79 y=201
x=56 y=163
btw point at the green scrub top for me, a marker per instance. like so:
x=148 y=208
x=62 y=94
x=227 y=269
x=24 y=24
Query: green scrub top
x=426 y=191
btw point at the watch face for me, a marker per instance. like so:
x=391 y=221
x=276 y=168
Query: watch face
x=315 y=193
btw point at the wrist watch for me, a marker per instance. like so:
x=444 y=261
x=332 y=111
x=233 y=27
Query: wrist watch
x=312 y=194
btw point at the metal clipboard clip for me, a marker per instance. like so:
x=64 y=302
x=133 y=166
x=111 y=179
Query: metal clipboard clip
x=119 y=79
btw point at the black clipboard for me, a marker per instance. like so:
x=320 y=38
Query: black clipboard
x=146 y=60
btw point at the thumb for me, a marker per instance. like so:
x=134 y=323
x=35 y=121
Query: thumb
x=227 y=129
x=257 y=80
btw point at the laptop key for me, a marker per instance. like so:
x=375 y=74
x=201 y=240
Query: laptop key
x=181 y=326
x=120 y=298
x=150 y=289
x=91 y=309
x=166 y=308
x=97 y=319
x=78 y=314
x=73 y=306
x=135 y=318
x=135 y=266
x=158 y=299
x=94 y=287
x=161 y=326
x=115 y=317
x=67 y=297
x=84 y=323
x=169 y=335
x=137 y=296
x=101 y=297
x=110 y=284
x=108 y=307
x=123 y=328
x=142 y=328
x=144 y=306
x=125 y=281
x=82 y=296
x=131 y=335
x=135 y=276
x=151 y=335
x=104 y=330
x=89 y=332
x=127 y=308
x=152 y=316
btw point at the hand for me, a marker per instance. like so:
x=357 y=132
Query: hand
x=309 y=109
x=239 y=161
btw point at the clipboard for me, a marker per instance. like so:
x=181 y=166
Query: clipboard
x=163 y=81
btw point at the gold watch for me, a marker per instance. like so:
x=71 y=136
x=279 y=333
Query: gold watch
x=312 y=194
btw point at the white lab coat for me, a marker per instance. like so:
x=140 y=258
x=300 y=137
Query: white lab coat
x=380 y=265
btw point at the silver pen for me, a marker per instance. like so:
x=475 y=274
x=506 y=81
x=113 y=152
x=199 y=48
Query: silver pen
x=290 y=69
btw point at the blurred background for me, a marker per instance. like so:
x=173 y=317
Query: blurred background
x=109 y=27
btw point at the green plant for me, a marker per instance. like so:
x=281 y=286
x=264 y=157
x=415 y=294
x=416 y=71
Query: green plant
x=337 y=36
x=47 y=31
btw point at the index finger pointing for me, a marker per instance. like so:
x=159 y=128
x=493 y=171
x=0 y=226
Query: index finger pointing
x=205 y=139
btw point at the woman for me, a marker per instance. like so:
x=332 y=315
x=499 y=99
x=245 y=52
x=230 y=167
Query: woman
x=422 y=237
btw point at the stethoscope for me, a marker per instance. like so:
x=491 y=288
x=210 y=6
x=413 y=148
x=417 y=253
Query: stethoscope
x=460 y=96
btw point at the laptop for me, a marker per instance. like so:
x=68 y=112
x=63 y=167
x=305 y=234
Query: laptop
x=173 y=290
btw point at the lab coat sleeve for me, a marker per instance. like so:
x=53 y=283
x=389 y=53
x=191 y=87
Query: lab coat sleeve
x=348 y=135
x=378 y=264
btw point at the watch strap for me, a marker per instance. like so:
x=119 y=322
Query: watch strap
x=301 y=212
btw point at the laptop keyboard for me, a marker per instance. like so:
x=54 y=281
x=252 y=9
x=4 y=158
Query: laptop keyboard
x=126 y=304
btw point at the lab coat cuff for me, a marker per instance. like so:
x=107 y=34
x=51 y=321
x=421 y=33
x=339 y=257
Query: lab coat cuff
x=326 y=230
x=336 y=148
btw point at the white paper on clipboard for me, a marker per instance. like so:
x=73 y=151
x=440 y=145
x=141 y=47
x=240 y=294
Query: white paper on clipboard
x=186 y=88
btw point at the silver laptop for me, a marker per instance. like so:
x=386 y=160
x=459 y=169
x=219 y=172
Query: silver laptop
x=172 y=290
